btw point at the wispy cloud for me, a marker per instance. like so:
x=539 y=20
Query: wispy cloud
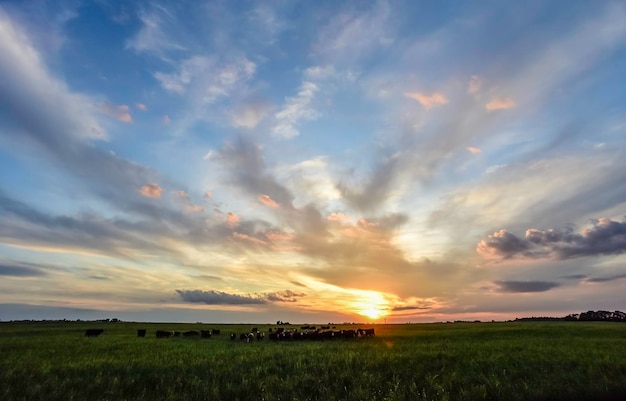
x=296 y=109
x=121 y=113
x=501 y=103
x=428 y=101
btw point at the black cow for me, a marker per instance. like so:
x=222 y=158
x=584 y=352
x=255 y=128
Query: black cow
x=164 y=334
x=215 y=331
x=93 y=332
x=141 y=332
x=368 y=332
x=191 y=333
x=205 y=333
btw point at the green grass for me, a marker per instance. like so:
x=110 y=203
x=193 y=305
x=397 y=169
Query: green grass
x=461 y=361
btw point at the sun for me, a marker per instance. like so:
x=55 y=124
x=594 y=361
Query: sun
x=372 y=313
x=372 y=305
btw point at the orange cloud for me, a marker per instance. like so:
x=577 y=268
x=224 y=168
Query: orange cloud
x=338 y=217
x=151 y=191
x=267 y=201
x=473 y=150
x=501 y=103
x=232 y=219
x=183 y=195
x=208 y=195
x=246 y=237
x=194 y=208
x=142 y=106
x=436 y=99
x=121 y=113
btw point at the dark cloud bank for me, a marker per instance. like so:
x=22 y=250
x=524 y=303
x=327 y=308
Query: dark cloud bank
x=212 y=297
x=605 y=237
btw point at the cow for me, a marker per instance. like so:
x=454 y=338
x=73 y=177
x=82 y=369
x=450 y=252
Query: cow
x=191 y=333
x=368 y=332
x=260 y=335
x=141 y=332
x=233 y=336
x=205 y=333
x=215 y=331
x=93 y=332
x=164 y=334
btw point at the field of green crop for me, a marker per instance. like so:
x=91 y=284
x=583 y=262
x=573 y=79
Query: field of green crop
x=460 y=361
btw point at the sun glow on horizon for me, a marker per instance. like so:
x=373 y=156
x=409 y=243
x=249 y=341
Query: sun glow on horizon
x=372 y=305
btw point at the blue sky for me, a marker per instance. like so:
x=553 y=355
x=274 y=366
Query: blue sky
x=311 y=161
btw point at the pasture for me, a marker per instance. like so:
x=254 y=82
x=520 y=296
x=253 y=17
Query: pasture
x=459 y=361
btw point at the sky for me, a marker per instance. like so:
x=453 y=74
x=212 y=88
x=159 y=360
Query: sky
x=368 y=161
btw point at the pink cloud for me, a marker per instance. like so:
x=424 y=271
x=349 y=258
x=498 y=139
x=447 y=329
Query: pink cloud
x=501 y=103
x=151 y=191
x=208 y=195
x=434 y=100
x=232 y=219
x=121 y=113
x=338 y=217
x=473 y=150
x=246 y=237
x=183 y=195
x=194 y=208
x=142 y=106
x=366 y=224
x=166 y=119
x=267 y=201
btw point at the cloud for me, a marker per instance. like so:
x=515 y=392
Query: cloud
x=206 y=77
x=376 y=191
x=194 y=208
x=245 y=167
x=183 y=195
x=283 y=296
x=167 y=120
x=501 y=103
x=142 y=107
x=605 y=279
x=473 y=150
x=338 y=217
x=155 y=33
x=428 y=101
x=526 y=286
x=208 y=195
x=249 y=115
x=121 y=113
x=232 y=219
x=474 y=85
x=20 y=270
x=223 y=298
x=605 y=237
x=354 y=34
x=267 y=201
x=296 y=109
x=151 y=191
x=219 y=298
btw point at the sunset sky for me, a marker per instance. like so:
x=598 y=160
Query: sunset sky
x=312 y=161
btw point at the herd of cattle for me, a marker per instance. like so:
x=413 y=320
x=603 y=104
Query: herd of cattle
x=277 y=334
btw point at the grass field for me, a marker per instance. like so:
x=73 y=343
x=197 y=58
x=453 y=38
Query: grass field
x=460 y=361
